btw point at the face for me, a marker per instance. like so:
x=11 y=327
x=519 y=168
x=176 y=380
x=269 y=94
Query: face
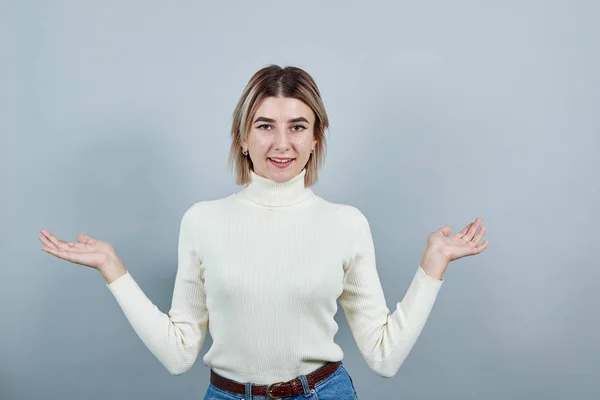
x=281 y=138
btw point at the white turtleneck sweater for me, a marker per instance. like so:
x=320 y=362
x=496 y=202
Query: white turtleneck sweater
x=261 y=270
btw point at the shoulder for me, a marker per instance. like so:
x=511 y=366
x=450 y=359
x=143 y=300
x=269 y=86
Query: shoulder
x=204 y=208
x=348 y=214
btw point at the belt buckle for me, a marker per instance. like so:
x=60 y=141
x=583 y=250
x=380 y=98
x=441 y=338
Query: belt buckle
x=269 y=388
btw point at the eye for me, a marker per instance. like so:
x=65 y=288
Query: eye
x=261 y=126
x=298 y=126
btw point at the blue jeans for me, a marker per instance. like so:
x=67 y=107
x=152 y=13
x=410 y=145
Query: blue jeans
x=337 y=386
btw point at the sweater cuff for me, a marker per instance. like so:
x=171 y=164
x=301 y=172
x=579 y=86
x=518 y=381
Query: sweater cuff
x=424 y=286
x=121 y=282
x=421 y=274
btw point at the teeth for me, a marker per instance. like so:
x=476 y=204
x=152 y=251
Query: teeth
x=281 y=161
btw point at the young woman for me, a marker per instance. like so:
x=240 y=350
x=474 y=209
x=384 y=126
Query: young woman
x=262 y=268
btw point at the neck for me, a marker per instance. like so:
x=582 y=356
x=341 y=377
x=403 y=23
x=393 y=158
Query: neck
x=266 y=192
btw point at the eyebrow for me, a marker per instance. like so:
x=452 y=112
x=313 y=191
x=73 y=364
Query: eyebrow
x=265 y=119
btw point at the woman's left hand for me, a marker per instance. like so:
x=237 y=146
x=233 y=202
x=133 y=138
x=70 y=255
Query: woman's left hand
x=461 y=244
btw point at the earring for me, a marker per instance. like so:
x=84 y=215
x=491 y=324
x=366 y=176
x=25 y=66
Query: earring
x=245 y=152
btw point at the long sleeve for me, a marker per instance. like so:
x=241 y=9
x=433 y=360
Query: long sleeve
x=175 y=338
x=384 y=339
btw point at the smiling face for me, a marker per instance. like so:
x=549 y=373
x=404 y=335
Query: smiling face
x=282 y=130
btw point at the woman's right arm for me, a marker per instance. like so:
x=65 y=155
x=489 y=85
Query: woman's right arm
x=174 y=338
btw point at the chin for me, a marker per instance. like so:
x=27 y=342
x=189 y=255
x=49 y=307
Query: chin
x=282 y=175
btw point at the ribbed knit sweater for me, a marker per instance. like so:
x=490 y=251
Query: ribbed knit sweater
x=261 y=270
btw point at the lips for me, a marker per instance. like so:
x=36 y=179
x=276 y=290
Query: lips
x=280 y=164
x=280 y=159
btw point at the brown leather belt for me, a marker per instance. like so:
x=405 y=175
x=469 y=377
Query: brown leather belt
x=275 y=390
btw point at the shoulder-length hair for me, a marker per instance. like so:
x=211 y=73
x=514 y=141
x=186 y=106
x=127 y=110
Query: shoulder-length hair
x=275 y=81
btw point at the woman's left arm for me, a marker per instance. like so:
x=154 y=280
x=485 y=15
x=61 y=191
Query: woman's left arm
x=386 y=338
x=443 y=248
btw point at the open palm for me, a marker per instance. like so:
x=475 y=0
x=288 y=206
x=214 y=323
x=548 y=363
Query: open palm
x=462 y=244
x=94 y=253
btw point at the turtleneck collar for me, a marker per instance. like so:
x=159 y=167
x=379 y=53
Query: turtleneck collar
x=268 y=193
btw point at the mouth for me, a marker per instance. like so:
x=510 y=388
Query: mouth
x=281 y=163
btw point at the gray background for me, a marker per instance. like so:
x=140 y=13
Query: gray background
x=115 y=118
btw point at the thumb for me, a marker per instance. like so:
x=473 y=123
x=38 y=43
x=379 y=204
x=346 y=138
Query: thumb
x=445 y=230
x=85 y=239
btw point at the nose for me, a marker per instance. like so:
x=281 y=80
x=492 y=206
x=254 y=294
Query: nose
x=282 y=142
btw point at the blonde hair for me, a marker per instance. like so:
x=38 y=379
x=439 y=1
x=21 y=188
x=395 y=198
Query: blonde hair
x=275 y=81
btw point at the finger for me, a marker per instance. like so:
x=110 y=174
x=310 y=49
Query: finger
x=47 y=242
x=86 y=239
x=53 y=241
x=54 y=251
x=474 y=226
x=46 y=238
x=71 y=256
x=464 y=230
x=61 y=244
x=78 y=246
x=481 y=247
x=477 y=238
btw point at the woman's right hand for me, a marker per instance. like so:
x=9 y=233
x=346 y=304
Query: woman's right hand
x=94 y=253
